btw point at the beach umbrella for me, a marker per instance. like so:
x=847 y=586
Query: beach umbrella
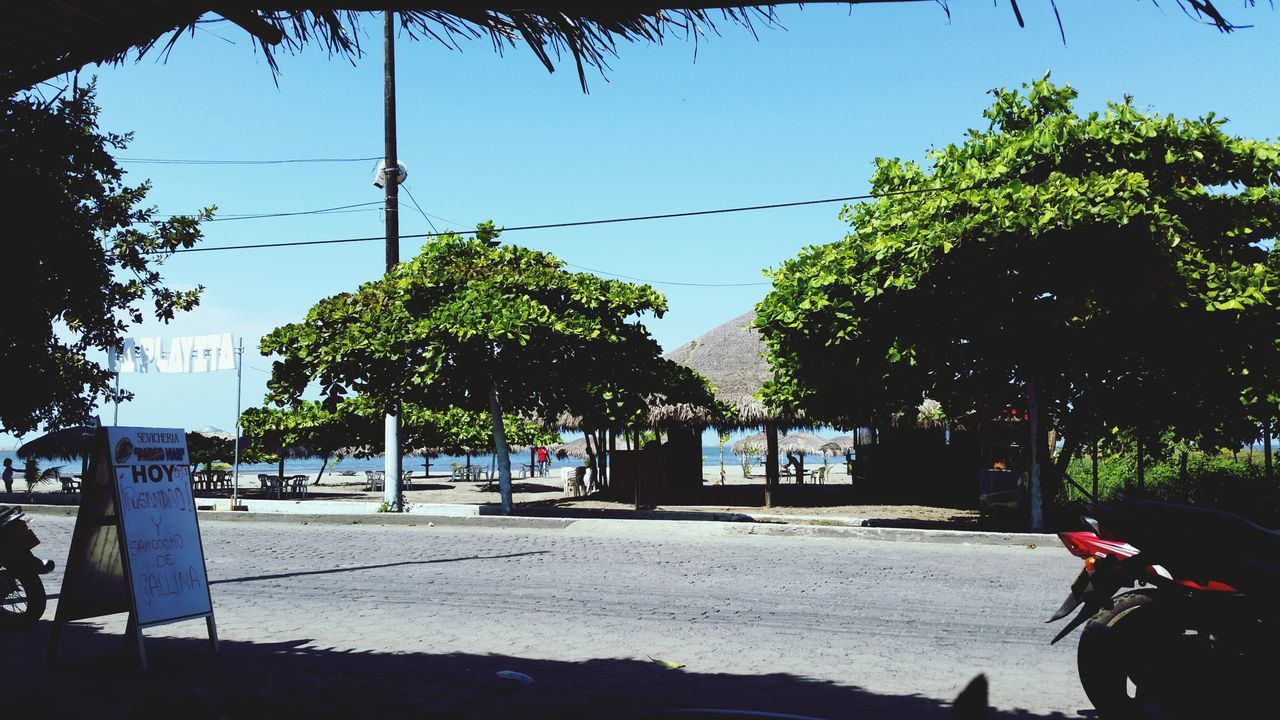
x=831 y=449
x=751 y=444
x=802 y=443
x=850 y=443
x=67 y=443
x=573 y=448
x=73 y=443
x=214 y=433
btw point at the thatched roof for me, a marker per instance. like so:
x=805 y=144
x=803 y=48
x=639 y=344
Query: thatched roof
x=732 y=357
x=750 y=445
x=67 y=443
x=47 y=39
x=796 y=442
x=801 y=443
x=573 y=448
x=848 y=443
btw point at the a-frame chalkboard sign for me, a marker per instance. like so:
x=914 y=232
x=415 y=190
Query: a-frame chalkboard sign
x=136 y=546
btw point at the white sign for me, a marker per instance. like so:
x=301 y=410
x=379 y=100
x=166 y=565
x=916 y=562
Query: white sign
x=192 y=354
x=160 y=535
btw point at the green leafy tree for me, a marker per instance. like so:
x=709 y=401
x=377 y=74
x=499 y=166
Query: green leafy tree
x=205 y=450
x=1112 y=269
x=472 y=325
x=306 y=428
x=86 y=269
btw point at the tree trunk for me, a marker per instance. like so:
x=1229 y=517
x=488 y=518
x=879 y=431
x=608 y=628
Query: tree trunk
x=500 y=442
x=602 y=458
x=1266 y=450
x=770 y=462
x=1182 y=467
x=1034 y=459
x=320 y=474
x=1053 y=479
x=722 y=439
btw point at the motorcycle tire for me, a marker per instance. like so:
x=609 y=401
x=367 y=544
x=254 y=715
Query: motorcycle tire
x=24 y=603
x=1124 y=659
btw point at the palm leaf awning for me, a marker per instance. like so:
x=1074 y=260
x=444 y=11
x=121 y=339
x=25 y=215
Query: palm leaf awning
x=47 y=39
x=64 y=444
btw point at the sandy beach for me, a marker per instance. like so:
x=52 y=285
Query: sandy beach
x=837 y=497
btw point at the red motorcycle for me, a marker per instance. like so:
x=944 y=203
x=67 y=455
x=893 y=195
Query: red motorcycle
x=1197 y=635
x=22 y=595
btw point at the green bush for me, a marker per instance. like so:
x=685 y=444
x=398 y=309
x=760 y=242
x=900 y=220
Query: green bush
x=1214 y=481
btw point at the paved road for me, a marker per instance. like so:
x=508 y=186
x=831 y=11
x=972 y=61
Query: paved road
x=333 y=619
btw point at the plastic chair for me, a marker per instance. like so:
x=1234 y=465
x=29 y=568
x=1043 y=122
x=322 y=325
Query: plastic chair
x=572 y=480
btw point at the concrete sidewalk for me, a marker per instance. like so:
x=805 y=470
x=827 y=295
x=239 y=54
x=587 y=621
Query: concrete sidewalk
x=602 y=523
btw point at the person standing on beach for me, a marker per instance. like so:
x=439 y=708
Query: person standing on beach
x=543 y=458
x=8 y=475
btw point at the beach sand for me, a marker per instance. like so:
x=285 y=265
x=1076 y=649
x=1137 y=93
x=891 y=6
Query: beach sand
x=838 y=497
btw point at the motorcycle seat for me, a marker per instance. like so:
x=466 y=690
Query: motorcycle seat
x=1202 y=540
x=1210 y=525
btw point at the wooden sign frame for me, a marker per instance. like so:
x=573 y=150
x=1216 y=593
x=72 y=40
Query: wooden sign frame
x=100 y=573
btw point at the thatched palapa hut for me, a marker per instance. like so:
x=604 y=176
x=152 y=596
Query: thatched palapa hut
x=732 y=357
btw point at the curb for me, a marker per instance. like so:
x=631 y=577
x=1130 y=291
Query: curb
x=705 y=526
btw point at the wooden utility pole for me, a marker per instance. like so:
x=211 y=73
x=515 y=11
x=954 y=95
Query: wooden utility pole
x=392 y=494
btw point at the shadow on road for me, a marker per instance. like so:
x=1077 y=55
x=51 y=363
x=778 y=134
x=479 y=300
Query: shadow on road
x=290 y=679
x=358 y=568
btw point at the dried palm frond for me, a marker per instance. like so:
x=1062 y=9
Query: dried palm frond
x=47 y=39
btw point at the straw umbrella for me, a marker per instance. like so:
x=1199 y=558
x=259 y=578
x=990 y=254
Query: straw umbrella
x=76 y=442
x=802 y=444
x=847 y=445
x=574 y=448
x=732 y=358
x=750 y=445
x=67 y=443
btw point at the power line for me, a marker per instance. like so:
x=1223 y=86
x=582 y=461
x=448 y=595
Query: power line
x=579 y=223
x=424 y=212
x=664 y=282
x=189 y=161
x=320 y=211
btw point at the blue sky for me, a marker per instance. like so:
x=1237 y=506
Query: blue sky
x=799 y=113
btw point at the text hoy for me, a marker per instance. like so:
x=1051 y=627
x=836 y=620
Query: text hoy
x=153 y=473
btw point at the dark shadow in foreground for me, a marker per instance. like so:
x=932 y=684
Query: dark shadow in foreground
x=95 y=675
